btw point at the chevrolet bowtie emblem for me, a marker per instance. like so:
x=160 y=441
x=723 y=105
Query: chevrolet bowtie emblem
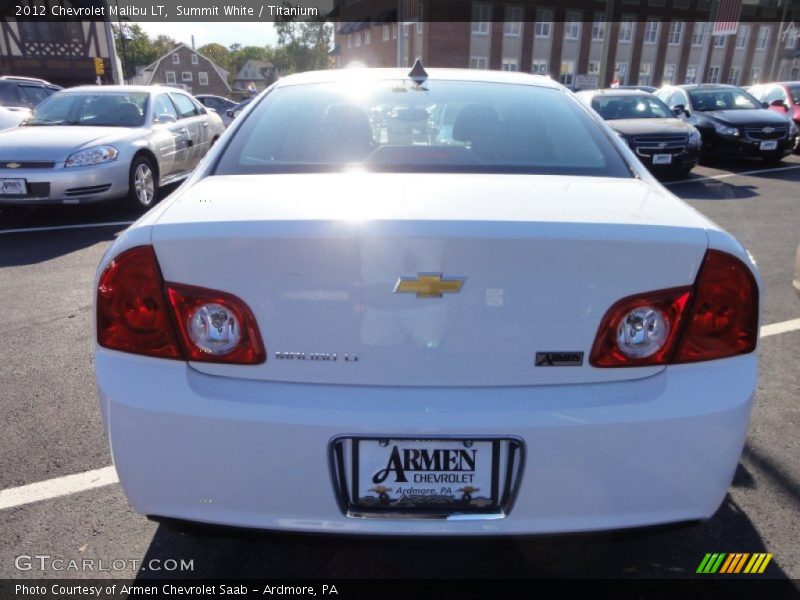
x=13 y=165
x=429 y=285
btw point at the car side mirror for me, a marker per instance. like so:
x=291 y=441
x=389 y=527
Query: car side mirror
x=765 y=104
x=230 y=113
x=679 y=110
x=166 y=118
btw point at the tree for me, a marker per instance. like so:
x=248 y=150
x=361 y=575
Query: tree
x=302 y=45
x=218 y=54
x=134 y=47
x=163 y=44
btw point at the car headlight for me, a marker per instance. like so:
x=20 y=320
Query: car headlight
x=91 y=156
x=725 y=129
x=694 y=138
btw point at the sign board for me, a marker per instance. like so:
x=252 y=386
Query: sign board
x=586 y=82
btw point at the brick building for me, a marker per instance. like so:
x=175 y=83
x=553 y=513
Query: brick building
x=647 y=42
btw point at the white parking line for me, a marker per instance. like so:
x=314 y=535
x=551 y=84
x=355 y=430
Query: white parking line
x=60 y=227
x=726 y=175
x=80 y=482
x=55 y=488
x=776 y=328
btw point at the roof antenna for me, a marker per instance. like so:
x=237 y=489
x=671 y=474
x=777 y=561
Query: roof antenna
x=418 y=73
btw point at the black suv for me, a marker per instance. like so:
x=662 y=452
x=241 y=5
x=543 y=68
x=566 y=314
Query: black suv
x=731 y=121
x=24 y=92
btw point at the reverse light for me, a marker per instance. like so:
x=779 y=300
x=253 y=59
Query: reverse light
x=91 y=156
x=140 y=314
x=715 y=318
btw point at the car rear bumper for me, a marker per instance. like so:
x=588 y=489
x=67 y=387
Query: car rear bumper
x=76 y=185
x=254 y=454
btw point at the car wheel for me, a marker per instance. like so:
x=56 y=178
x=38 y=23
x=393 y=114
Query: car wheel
x=142 y=188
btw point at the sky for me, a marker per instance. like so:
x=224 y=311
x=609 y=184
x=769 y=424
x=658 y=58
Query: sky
x=246 y=34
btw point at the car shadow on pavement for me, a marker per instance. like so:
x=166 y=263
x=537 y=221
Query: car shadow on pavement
x=673 y=552
x=705 y=189
x=19 y=249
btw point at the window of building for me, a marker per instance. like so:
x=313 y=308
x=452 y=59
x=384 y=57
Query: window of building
x=46 y=31
x=735 y=75
x=567 y=76
x=675 y=33
x=645 y=73
x=594 y=67
x=349 y=41
x=540 y=67
x=598 y=27
x=763 y=38
x=512 y=26
x=481 y=18
x=755 y=75
x=367 y=37
x=510 y=64
x=544 y=23
x=719 y=41
x=170 y=75
x=186 y=76
x=790 y=41
x=176 y=60
x=651 y=32
x=669 y=74
x=743 y=36
x=202 y=78
x=713 y=74
x=621 y=73
x=699 y=34
x=394 y=31
x=194 y=59
x=795 y=75
x=572 y=25
x=419 y=17
x=682 y=4
x=691 y=74
x=358 y=39
x=626 y=27
x=478 y=62
x=386 y=33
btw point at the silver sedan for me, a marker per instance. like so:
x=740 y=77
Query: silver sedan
x=91 y=144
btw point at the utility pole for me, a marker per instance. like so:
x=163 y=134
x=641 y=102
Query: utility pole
x=604 y=66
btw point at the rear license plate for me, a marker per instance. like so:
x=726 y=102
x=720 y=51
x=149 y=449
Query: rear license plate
x=448 y=474
x=662 y=159
x=768 y=145
x=13 y=187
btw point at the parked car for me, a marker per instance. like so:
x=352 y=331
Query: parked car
x=505 y=327
x=731 y=121
x=11 y=117
x=662 y=141
x=784 y=99
x=91 y=144
x=235 y=111
x=650 y=89
x=219 y=105
x=24 y=92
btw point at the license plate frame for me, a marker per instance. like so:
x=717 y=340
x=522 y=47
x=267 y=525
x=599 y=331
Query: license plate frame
x=20 y=183
x=506 y=454
x=662 y=159
x=767 y=145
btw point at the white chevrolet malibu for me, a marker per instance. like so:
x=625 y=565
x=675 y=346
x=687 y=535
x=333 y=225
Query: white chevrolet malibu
x=449 y=302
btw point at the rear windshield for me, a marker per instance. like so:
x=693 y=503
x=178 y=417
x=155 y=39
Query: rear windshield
x=631 y=107
x=442 y=126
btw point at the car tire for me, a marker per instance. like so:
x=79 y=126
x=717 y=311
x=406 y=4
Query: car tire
x=142 y=186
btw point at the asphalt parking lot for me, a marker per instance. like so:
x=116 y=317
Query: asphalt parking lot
x=53 y=428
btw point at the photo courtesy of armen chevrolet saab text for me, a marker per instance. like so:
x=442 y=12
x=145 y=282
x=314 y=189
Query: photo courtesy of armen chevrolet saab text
x=419 y=302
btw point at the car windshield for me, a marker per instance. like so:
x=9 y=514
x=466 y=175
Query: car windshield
x=630 y=107
x=722 y=99
x=794 y=92
x=441 y=126
x=107 y=109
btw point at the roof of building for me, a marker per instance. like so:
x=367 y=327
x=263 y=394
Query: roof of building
x=258 y=65
x=146 y=74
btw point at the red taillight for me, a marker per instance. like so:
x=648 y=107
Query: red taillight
x=669 y=304
x=724 y=316
x=715 y=318
x=133 y=315
x=200 y=312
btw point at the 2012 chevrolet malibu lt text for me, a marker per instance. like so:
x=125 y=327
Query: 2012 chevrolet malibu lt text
x=442 y=302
